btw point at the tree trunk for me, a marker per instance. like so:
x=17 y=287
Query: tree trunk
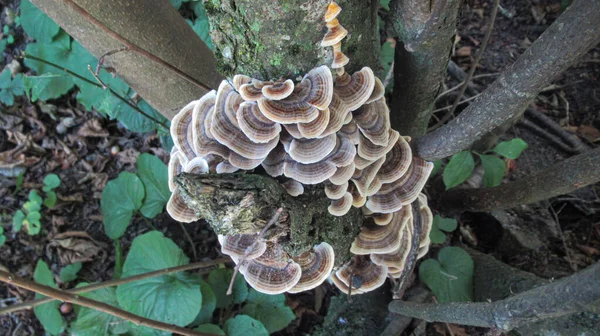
x=153 y=26
x=269 y=40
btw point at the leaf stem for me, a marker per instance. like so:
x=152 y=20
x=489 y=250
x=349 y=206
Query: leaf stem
x=118 y=259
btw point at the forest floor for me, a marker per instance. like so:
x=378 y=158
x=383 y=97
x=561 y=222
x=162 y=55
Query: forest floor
x=86 y=150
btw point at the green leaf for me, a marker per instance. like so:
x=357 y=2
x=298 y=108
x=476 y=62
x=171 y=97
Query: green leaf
x=387 y=57
x=243 y=325
x=153 y=173
x=211 y=329
x=39 y=86
x=172 y=298
x=270 y=310
x=511 y=149
x=18 y=219
x=219 y=280
x=176 y=3
x=437 y=165
x=32 y=223
x=209 y=303
x=91 y=322
x=441 y=224
x=10 y=87
x=459 y=169
x=201 y=26
x=120 y=198
x=51 y=181
x=50 y=200
x=385 y=4
x=37 y=24
x=493 y=170
x=35 y=198
x=450 y=278
x=48 y=313
x=128 y=116
x=69 y=272
x=2 y=240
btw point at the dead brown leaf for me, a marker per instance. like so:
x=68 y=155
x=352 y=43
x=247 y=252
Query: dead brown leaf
x=591 y=133
x=76 y=246
x=128 y=156
x=77 y=197
x=590 y=251
x=92 y=128
x=463 y=51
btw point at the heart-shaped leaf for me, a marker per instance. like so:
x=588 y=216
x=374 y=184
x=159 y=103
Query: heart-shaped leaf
x=450 y=278
x=120 y=198
x=270 y=310
x=48 y=313
x=244 y=325
x=439 y=225
x=511 y=149
x=219 y=280
x=153 y=173
x=459 y=169
x=493 y=170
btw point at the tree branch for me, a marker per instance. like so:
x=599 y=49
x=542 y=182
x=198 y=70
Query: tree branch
x=576 y=293
x=570 y=36
x=97 y=305
x=562 y=178
x=116 y=282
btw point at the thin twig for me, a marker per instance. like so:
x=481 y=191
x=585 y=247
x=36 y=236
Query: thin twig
x=95 y=74
x=250 y=248
x=190 y=240
x=109 y=53
x=488 y=33
x=93 y=304
x=117 y=282
x=133 y=47
x=113 y=92
x=447 y=107
x=457 y=86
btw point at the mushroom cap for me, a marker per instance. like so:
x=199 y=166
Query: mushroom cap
x=255 y=125
x=397 y=258
x=378 y=91
x=335 y=33
x=342 y=174
x=337 y=113
x=294 y=188
x=382 y=219
x=274 y=162
x=334 y=192
x=273 y=272
x=252 y=91
x=392 y=196
x=343 y=153
x=311 y=173
x=236 y=245
x=179 y=211
x=351 y=131
x=278 y=90
x=311 y=150
x=225 y=167
x=339 y=58
x=426 y=221
x=363 y=178
x=316 y=267
x=315 y=128
x=358 y=200
x=181 y=132
x=241 y=162
x=197 y=165
x=202 y=140
x=370 y=151
x=333 y=10
x=380 y=239
x=363 y=272
x=397 y=162
x=342 y=286
x=355 y=90
x=373 y=120
x=174 y=168
x=239 y=80
x=341 y=206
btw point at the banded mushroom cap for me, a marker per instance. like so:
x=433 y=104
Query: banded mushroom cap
x=294 y=188
x=278 y=90
x=182 y=134
x=274 y=272
x=355 y=90
x=364 y=275
x=363 y=178
x=225 y=167
x=343 y=153
x=426 y=221
x=255 y=125
x=351 y=131
x=373 y=120
x=382 y=219
x=274 y=162
x=197 y=165
x=392 y=196
x=340 y=206
x=178 y=209
x=311 y=150
x=315 y=128
x=380 y=239
x=312 y=94
x=316 y=267
x=397 y=258
x=252 y=91
x=342 y=286
x=339 y=58
x=225 y=127
x=236 y=246
x=239 y=80
x=343 y=174
x=378 y=91
x=333 y=191
x=358 y=200
x=202 y=140
x=371 y=152
x=333 y=10
x=244 y=163
x=335 y=33
x=312 y=173
x=337 y=113
x=397 y=162
x=174 y=168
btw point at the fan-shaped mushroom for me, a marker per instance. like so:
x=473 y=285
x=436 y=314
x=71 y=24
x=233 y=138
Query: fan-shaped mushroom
x=225 y=167
x=203 y=142
x=333 y=10
x=370 y=151
x=380 y=239
x=197 y=165
x=181 y=132
x=180 y=212
x=342 y=174
x=397 y=162
x=315 y=128
x=397 y=258
x=356 y=89
x=238 y=244
x=339 y=58
x=335 y=33
x=174 y=168
x=311 y=150
x=274 y=272
x=373 y=120
x=340 y=206
x=274 y=162
x=316 y=267
x=364 y=275
x=278 y=90
x=334 y=192
x=255 y=125
x=294 y=188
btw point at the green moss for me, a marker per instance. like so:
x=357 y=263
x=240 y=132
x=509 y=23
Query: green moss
x=276 y=60
x=255 y=26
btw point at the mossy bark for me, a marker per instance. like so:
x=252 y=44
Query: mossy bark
x=270 y=40
x=244 y=203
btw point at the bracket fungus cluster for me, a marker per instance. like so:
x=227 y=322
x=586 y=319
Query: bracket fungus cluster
x=331 y=129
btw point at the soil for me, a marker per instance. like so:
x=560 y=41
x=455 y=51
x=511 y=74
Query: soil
x=85 y=162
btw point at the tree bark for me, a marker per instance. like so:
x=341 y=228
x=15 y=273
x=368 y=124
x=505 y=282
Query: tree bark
x=564 y=177
x=153 y=26
x=421 y=59
x=575 y=32
x=283 y=38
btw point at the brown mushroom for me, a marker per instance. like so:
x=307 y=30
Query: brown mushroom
x=311 y=173
x=237 y=245
x=355 y=90
x=333 y=10
x=274 y=162
x=174 y=168
x=335 y=33
x=312 y=150
x=225 y=167
x=339 y=58
x=380 y=239
x=370 y=151
x=363 y=178
x=197 y=165
x=373 y=120
x=315 y=128
x=397 y=258
x=316 y=267
x=181 y=132
x=342 y=174
x=337 y=113
x=278 y=90
x=294 y=188
x=274 y=272
x=242 y=162
x=426 y=221
x=378 y=91
x=362 y=274
x=341 y=206
x=351 y=131
x=239 y=80
x=178 y=210
x=255 y=125
x=334 y=192
x=203 y=142
x=397 y=162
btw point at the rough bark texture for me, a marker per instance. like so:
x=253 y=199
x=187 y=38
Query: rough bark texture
x=154 y=26
x=569 y=295
x=269 y=40
x=570 y=36
x=244 y=203
x=427 y=38
x=562 y=178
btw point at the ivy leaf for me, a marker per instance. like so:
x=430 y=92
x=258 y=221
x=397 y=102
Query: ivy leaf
x=210 y=329
x=48 y=313
x=40 y=86
x=18 y=219
x=36 y=23
x=459 y=169
x=493 y=170
x=450 y=278
x=153 y=173
x=91 y=322
x=270 y=310
x=219 y=280
x=69 y=272
x=243 y=325
x=209 y=303
x=50 y=200
x=172 y=298
x=10 y=87
x=441 y=224
x=120 y=198
x=51 y=181
x=511 y=149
